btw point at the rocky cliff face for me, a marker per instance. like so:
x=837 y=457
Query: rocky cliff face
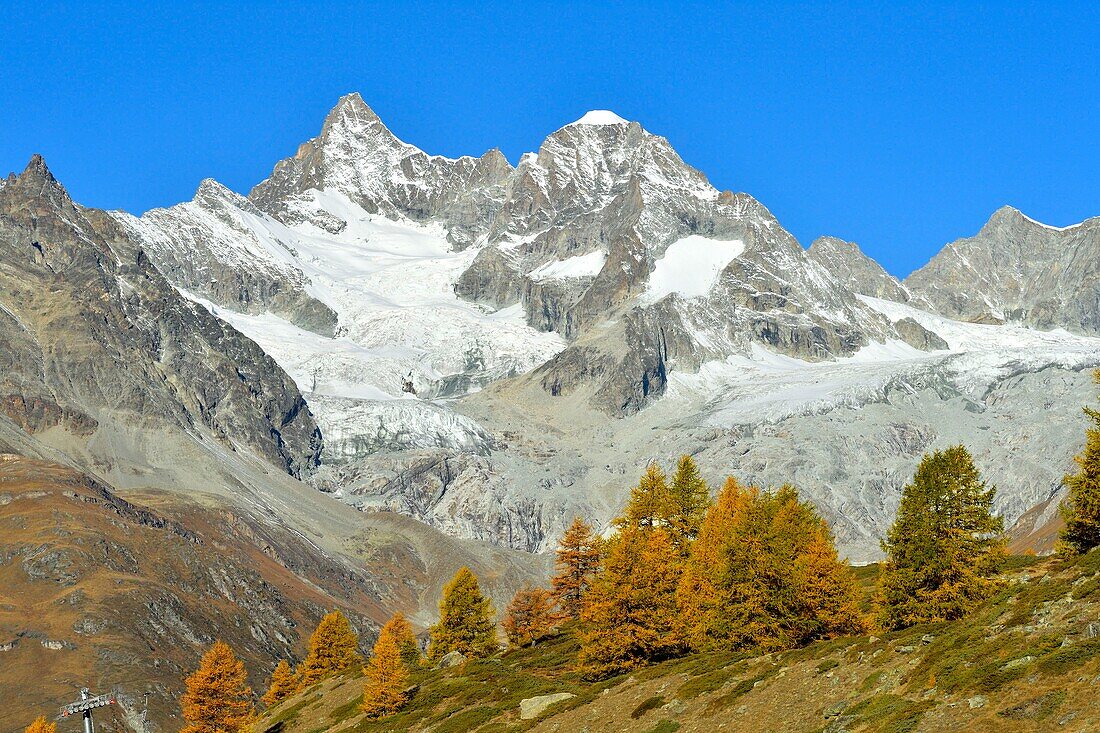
x=855 y=270
x=357 y=156
x=216 y=247
x=90 y=326
x=1017 y=270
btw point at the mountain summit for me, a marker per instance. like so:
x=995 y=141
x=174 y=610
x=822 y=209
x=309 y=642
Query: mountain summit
x=486 y=347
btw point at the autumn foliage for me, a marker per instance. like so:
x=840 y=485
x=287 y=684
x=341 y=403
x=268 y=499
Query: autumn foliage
x=283 y=684
x=577 y=560
x=755 y=570
x=333 y=648
x=764 y=574
x=465 y=620
x=386 y=675
x=41 y=725
x=630 y=616
x=218 y=699
x=529 y=617
x=401 y=631
x=1081 y=509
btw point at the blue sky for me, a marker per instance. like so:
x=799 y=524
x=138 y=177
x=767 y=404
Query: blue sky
x=900 y=128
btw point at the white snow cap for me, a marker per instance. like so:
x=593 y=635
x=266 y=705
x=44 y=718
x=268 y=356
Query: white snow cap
x=600 y=117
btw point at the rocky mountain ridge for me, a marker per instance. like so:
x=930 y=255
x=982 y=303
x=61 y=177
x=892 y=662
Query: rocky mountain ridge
x=485 y=315
x=1017 y=270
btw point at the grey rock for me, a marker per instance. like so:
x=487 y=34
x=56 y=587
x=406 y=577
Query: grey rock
x=357 y=155
x=451 y=659
x=1020 y=271
x=856 y=271
x=96 y=332
x=978 y=701
x=532 y=707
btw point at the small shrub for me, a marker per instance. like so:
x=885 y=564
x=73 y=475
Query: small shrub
x=708 y=682
x=1066 y=658
x=665 y=726
x=890 y=713
x=827 y=665
x=646 y=705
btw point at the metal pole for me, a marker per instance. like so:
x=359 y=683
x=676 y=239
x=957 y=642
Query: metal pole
x=88 y=728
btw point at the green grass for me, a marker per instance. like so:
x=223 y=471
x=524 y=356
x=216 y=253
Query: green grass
x=826 y=665
x=889 y=713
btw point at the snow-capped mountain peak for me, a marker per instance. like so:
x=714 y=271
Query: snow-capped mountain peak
x=600 y=117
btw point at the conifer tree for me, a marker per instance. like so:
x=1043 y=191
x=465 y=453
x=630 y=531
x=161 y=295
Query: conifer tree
x=650 y=503
x=401 y=630
x=283 y=684
x=630 y=616
x=465 y=620
x=578 y=559
x=764 y=574
x=827 y=590
x=333 y=648
x=697 y=594
x=41 y=725
x=1081 y=510
x=384 y=690
x=689 y=498
x=218 y=699
x=529 y=617
x=944 y=547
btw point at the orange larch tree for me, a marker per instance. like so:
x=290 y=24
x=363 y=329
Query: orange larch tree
x=697 y=594
x=578 y=559
x=529 y=617
x=283 y=684
x=218 y=699
x=630 y=617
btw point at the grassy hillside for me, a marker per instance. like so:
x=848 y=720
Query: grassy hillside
x=125 y=597
x=1028 y=660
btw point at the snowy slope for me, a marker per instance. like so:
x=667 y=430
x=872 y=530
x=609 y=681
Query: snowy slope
x=769 y=387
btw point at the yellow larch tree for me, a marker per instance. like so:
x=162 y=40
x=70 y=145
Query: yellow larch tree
x=399 y=627
x=333 y=648
x=650 y=501
x=1081 y=509
x=465 y=620
x=689 y=498
x=218 y=698
x=41 y=725
x=283 y=684
x=386 y=677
